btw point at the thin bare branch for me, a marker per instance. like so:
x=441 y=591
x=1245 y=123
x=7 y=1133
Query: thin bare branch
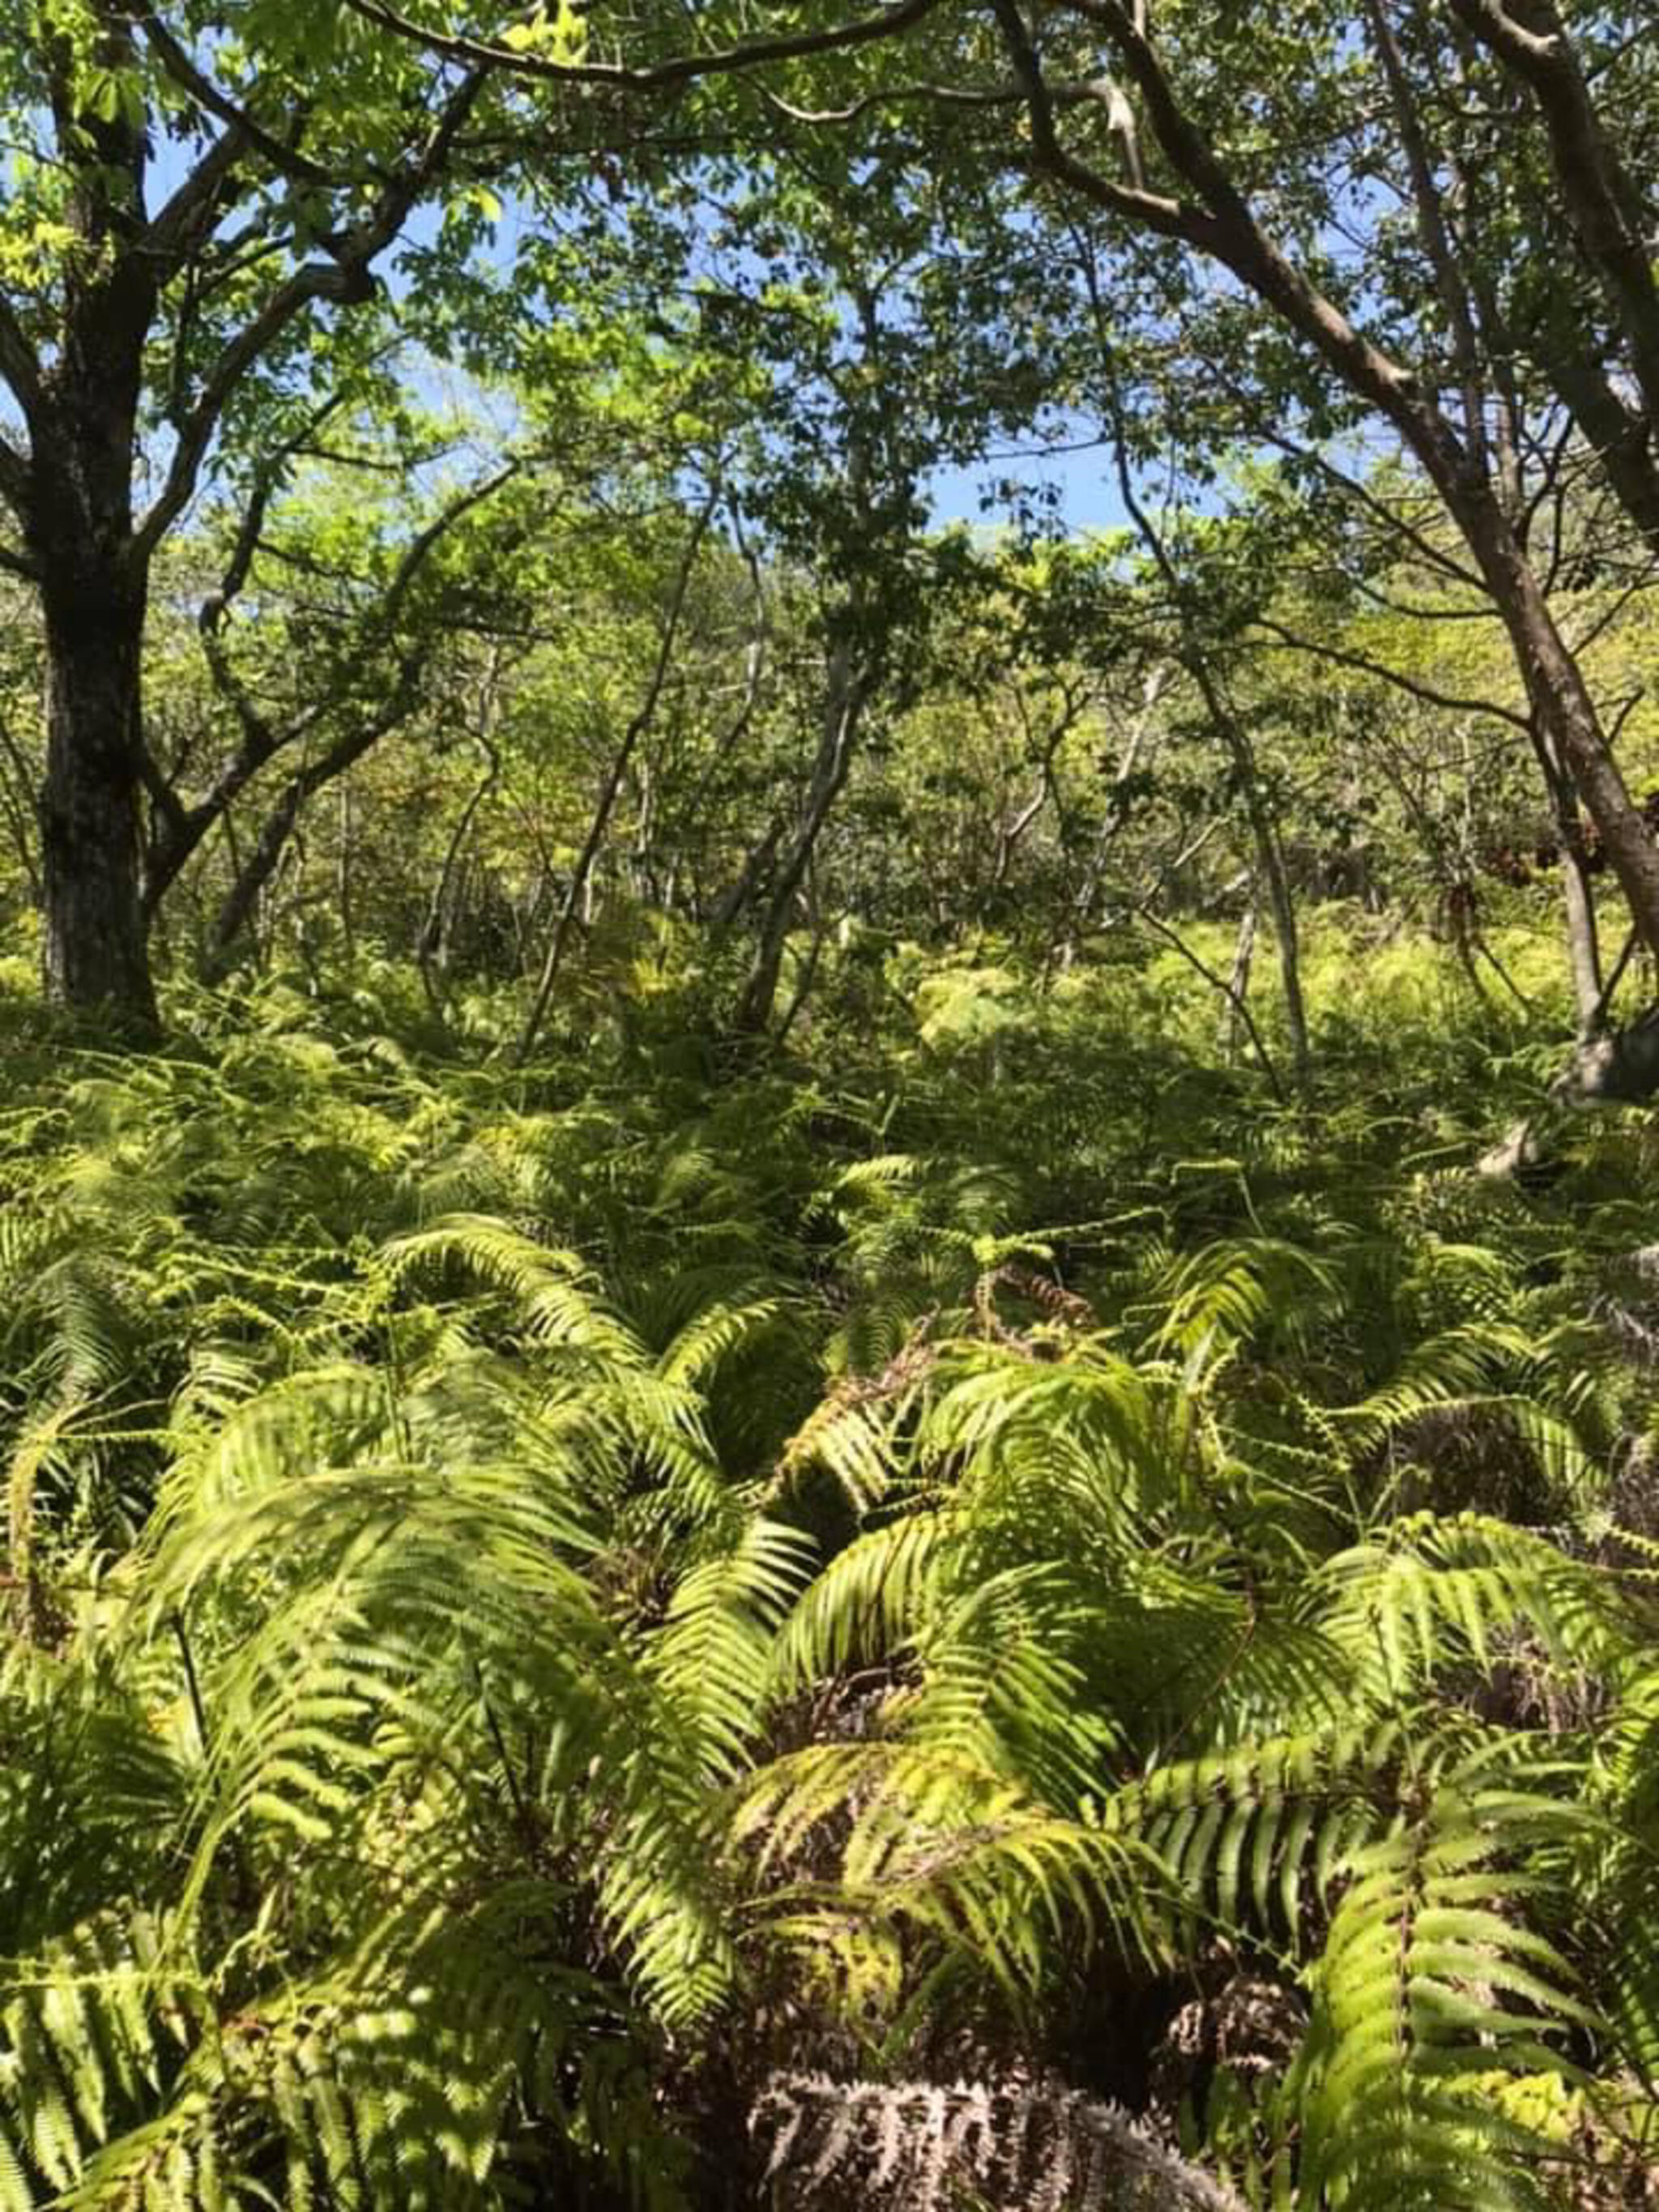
x=1430 y=694
x=653 y=76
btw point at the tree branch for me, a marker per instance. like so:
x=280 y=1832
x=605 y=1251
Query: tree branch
x=1264 y=427
x=187 y=826
x=1428 y=693
x=345 y=280
x=20 y=366
x=655 y=76
x=1225 y=226
x=245 y=543
x=15 y=563
x=613 y=782
x=338 y=281
x=241 y=129
x=1622 y=437
x=1235 y=998
x=1600 y=196
x=1434 y=231
x=421 y=546
x=187 y=218
x=1170 y=218
x=941 y=95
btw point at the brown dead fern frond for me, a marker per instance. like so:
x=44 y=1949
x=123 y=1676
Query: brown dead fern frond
x=1059 y=1307
x=925 y=2146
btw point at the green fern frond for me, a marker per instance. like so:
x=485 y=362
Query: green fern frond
x=866 y=1606
x=1430 y=1986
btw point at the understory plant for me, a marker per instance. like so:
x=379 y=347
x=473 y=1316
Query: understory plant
x=663 y=1627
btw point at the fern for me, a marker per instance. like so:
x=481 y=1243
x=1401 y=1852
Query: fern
x=916 y=2145
x=1429 y=1991
x=539 y=1605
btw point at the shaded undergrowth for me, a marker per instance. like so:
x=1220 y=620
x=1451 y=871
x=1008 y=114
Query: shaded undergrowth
x=544 y=1607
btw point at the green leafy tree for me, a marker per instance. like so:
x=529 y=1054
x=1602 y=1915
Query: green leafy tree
x=1196 y=146
x=188 y=265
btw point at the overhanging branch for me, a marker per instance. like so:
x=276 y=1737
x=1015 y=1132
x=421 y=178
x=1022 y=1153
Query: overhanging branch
x=344 y=279
x=654 y=76
x=288 y=160
x=1428 y=695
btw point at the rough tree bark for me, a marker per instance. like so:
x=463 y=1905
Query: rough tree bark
x=96 y=941
x=81 y=413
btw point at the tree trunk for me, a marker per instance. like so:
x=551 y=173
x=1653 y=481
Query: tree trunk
x=81 y=411
x=432 y=946
x=1220 y=222
x=1579 y=900
x=96 y=950
x=846 y=691
x=1281 y=908
x=1238 y=983
x=236 y=912
x=1567 y=713
x=342 y=874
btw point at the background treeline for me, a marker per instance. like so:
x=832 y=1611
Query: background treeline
x=561 y=726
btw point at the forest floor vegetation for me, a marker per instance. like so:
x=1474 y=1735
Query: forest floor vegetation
x=974 y=1608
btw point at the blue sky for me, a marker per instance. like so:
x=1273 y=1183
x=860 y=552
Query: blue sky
x=1082 y=478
